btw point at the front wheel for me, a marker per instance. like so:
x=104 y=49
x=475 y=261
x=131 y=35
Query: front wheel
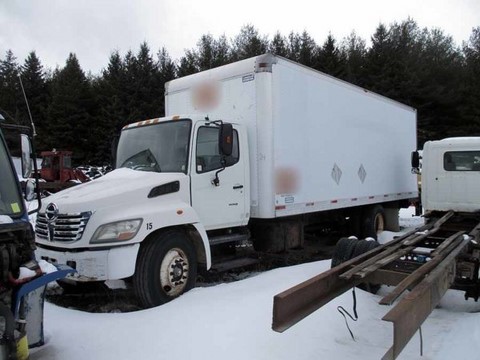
x=166 y=268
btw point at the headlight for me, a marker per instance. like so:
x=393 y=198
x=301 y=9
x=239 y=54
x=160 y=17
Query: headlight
x=116 y=231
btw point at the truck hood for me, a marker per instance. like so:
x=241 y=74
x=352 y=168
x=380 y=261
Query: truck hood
x=121 y=186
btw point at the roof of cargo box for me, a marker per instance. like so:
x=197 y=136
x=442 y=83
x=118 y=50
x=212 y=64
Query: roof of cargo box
x=258 y=64
x=228 y=71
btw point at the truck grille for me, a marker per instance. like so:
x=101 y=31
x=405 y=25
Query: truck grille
x=65 y=228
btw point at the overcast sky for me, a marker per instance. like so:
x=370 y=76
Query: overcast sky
x=94 y=28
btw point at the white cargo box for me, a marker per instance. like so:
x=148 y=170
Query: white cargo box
x=316 y=142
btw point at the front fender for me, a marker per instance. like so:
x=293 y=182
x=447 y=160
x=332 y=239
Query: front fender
x=171 y=215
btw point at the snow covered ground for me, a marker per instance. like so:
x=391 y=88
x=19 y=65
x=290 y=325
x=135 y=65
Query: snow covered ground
x=233 y=321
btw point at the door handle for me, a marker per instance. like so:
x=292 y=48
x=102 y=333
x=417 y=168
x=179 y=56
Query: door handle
x=235 y=187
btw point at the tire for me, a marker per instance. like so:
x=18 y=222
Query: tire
x=355 y=224
x=166 y=268
x=362 y=247
x=343 y=250
x=373 y=221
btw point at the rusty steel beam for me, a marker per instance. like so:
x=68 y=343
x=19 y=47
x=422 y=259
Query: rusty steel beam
x=386 y=277
x=415 y=277
x=296 y=303
x=410 y=313
x=393 y=246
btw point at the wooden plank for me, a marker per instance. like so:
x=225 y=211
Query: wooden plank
x=440 y=248
x=382 y=262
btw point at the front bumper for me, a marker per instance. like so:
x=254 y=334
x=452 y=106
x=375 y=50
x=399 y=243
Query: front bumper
x=94 y=265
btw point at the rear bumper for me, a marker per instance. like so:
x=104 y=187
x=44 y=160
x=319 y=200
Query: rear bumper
x=110 y=264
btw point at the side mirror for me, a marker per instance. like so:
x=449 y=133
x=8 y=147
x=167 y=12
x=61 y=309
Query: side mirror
x=29 y=190
x=225 y=140
x=26 y=156
x=415 y=159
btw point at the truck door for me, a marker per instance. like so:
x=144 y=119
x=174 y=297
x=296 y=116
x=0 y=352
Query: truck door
x=223 y=205
x=458 y=184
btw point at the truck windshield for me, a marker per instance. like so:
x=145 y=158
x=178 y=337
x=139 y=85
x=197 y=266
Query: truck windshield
x=162 y=147
x=10 y=201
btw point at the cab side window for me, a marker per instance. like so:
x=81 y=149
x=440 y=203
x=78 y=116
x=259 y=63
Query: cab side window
x=208 y=154
x=461 y=161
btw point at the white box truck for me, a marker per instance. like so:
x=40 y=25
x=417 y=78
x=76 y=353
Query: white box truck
x=259 y=148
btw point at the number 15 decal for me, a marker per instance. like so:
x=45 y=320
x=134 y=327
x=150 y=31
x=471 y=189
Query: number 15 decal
x=149 y=226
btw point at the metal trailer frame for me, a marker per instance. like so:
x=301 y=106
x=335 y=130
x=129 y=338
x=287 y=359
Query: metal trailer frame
x=452 y=263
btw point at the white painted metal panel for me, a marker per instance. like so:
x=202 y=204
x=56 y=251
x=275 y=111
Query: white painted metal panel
x=444 y=189
x=316 y=143
x=344 y=145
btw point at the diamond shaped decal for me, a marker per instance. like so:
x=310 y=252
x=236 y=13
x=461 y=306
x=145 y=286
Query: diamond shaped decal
x=362 y=174
x=336 y=174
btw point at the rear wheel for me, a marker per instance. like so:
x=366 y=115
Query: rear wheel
x=373 y=221
x=343 y=250
x=362 y=247
x=166 y=268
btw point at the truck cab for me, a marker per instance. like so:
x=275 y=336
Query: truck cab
x=451 y=174
x=176 y=178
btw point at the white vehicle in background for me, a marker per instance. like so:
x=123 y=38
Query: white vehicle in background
x=255 y=149
x=451 y=175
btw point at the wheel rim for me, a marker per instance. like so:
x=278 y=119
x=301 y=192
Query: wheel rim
x=379 y=223
x=174 y=272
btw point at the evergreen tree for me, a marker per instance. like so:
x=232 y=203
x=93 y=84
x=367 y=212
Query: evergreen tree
x=278 y=45
x=471 y=91
x=211 y=53
x=294 y=46
x=187 y=64
x=392 y=67
x=222 y=52
x=167 y=69
x=379 y=58
x=70 y=124
x=206 y=52
x=10 y=92
x=308 y=51
x=166 y=66
x=34 y=83
x=144 y=85
x=330 y=59
x=112 y=100
x=354 y=52
x=437 y=95
x=249 y=43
